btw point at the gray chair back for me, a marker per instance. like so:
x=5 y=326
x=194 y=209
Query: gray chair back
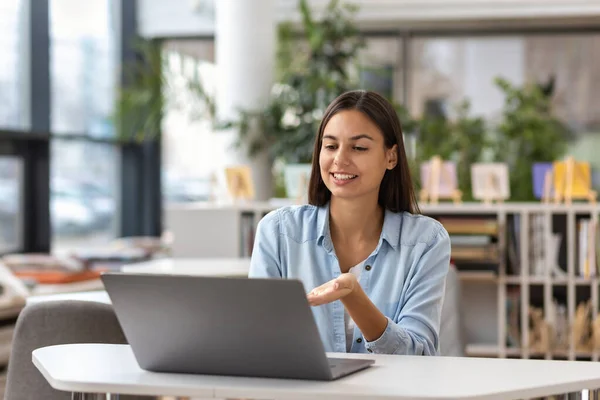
x=52 y=323
x=451 y=325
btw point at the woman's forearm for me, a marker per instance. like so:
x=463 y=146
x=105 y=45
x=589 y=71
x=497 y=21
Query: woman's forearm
x=367 y=317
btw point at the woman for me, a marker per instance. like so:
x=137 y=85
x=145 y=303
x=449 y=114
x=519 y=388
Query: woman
x=360 y=240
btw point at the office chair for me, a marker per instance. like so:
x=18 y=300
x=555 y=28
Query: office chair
x=451 y=324
x=51 y=323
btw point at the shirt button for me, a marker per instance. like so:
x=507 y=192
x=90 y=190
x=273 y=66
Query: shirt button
x=359 y=340
x=369 y=350
x=368 y=267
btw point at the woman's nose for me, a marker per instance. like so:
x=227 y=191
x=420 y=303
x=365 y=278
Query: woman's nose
x=341 y=158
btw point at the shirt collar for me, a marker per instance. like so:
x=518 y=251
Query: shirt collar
x=392 y=224
x=390 y=233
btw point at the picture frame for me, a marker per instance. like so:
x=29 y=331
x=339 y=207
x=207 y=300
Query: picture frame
x=490 y=182
x=439 y=181
x=572 y=180
x=239 y=182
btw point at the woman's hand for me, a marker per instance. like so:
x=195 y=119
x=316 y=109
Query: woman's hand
x=333 y=290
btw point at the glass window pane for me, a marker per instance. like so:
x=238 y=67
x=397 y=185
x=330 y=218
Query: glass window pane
x=83 y=194
x=11 y=204
x=13 y=61
x=190 y=150
x=380 y=67
x=83 y=66
x=448 y=70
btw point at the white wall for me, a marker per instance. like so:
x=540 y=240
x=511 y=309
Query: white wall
x=195 y=17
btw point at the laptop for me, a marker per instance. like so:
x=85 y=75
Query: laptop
x=223 y=326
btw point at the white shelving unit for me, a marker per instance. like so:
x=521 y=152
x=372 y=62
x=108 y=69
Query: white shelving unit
x=226 y=230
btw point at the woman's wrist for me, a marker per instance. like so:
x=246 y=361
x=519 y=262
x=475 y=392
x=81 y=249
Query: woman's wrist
x=356 y=295
x=369 y=320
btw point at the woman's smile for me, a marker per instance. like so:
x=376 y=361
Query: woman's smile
x=341 y=178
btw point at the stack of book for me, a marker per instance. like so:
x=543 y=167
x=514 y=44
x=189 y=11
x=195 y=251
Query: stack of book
x=474 y=242
x=48 y=269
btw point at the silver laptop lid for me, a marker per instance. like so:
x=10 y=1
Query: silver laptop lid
x=224 y=326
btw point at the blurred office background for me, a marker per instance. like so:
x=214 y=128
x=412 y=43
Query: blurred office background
x=119 y=117
x=62 y=67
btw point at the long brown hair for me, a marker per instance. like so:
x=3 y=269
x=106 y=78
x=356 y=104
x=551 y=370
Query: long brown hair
x=396 y=192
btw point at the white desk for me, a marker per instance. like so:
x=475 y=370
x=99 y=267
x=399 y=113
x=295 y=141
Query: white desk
x=226 y=267
x=102 y=368
x=231 y=267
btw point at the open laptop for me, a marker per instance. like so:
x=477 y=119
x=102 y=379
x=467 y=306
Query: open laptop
x=223 y=326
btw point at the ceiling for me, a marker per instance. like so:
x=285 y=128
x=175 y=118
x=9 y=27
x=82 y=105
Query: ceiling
x=196 y=17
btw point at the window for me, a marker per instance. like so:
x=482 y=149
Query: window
x=190 y=150
x=83 y=198
x=381 y=67
x=84 y=76
x=447 y=70
x=13 y=65
x=83 y=66
x=11 y=204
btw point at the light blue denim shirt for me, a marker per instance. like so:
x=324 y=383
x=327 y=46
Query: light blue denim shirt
x=404 y=276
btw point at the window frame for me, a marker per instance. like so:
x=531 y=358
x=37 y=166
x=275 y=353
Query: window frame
x=139 y=211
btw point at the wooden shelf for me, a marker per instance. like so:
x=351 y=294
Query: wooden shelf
x=482 y=350
x=536 y=280
x=427 y=209
x=585 y=281
x=477 y=276
x=489 y=350
x=513 y=280
x=516 y=207
x=513 y=351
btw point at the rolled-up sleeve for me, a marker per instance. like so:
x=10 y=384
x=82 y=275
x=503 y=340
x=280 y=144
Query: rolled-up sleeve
x=416 y=330
x=265 y=259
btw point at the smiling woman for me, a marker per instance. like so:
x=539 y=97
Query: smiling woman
x=362 y=130
x=376 y=268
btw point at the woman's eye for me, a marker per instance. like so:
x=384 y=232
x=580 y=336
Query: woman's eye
x=360 y=148
x=329 y=146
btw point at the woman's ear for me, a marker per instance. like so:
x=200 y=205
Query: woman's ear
x=392 y=157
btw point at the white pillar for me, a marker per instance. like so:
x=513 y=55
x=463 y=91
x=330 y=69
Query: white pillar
x=245 y=38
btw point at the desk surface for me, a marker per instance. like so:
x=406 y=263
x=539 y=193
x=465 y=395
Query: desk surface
x=103 y=368
x=193 y=266
x=227 y=267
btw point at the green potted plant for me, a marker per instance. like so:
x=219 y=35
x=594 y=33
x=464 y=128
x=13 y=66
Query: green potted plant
x=148 y=90
x=462 y=139
x=140 y=102
x=528 y=133
x=313 y=68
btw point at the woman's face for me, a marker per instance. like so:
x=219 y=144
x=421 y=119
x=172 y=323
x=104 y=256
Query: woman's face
x=353 y=156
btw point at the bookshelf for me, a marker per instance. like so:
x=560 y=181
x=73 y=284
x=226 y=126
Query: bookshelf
x=510 y=257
